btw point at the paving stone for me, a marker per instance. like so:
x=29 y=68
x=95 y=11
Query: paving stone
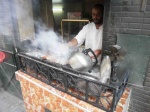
x=19 y=109
x=10 y=103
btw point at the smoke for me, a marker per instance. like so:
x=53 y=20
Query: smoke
x=52 y=45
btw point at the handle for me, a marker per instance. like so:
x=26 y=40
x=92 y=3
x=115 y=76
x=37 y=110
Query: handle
x=86 y=51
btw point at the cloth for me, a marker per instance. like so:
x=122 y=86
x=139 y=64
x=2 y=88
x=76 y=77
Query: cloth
x=91 y=36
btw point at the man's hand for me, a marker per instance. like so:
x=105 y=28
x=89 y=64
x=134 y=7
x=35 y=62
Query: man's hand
x=97 y=53
x=73 y=42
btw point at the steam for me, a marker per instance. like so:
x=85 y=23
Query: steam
x=52 y=45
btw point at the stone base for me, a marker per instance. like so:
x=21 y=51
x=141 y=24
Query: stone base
x=38 y=96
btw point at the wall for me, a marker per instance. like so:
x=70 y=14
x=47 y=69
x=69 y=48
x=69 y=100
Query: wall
x=127 y=17
x=24 y=18
x=7 y=38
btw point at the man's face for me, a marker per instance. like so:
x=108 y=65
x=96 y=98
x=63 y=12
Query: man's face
x=97 y=16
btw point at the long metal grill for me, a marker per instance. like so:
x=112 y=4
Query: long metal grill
x=74 y=83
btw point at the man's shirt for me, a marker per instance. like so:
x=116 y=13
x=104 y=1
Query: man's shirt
x=91 y=36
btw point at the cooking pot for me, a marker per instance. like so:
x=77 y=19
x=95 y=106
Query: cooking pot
x=81 y=61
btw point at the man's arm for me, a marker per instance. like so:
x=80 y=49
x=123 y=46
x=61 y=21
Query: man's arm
x=73 y=42
x=97 y=52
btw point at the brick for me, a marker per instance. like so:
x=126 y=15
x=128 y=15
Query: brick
x=136 y=2
x=137 y=108
x=136 y=14
x=121 y=25
x=129 y=2
x=131 y=8
x=115 y=14
x=106 y=14
x=146 y=21
x=131 y=20
x=146 y=88
x=120 y=14
x=139 y=98
x=105 y=29
x=116 y=8
x=136 y=20
x=148 y=74
x=138 y=91
x=126 y=20
x=147 y=79
x=145 y=32
x=116 y=0
x=118 y=3
x=148 y=8
x=110 y=43
x=134 y=31
x=104 y=36
x=143 y=104
x=147 y=15
x=111 y=39
x=146 y=26
x=144 y=95
x=134 y=25
x=125 y=8
x=125 y=14
x=147 y=84
x=130 y=110
x=135 y=105
x=135 y=8
x=115 y=20
x=124 y=30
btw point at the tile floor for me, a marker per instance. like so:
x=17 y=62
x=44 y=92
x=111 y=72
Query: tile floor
x=10 y=103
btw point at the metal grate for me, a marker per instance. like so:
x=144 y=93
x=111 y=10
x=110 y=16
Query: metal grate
x=74 y=83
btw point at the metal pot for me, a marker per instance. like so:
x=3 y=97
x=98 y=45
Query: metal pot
x=81 y=61
x=105 y=69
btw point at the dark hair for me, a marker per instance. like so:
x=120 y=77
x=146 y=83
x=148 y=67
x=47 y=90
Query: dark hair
x=99 y=7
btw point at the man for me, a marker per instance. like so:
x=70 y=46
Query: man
x=92 y=33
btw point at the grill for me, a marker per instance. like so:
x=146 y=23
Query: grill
x=74 y=83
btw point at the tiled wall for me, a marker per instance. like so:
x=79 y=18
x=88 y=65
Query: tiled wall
x=38 y=95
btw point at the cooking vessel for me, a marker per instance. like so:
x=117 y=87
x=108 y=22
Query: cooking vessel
x=105 y=70
x=81 y=61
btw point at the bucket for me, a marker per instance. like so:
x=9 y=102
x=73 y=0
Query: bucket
x=2 y=56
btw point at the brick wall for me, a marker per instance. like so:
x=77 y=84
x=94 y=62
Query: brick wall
x=126 y=16
x=129 y=17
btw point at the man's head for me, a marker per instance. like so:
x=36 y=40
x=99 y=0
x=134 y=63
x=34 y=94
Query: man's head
x=97 y=13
